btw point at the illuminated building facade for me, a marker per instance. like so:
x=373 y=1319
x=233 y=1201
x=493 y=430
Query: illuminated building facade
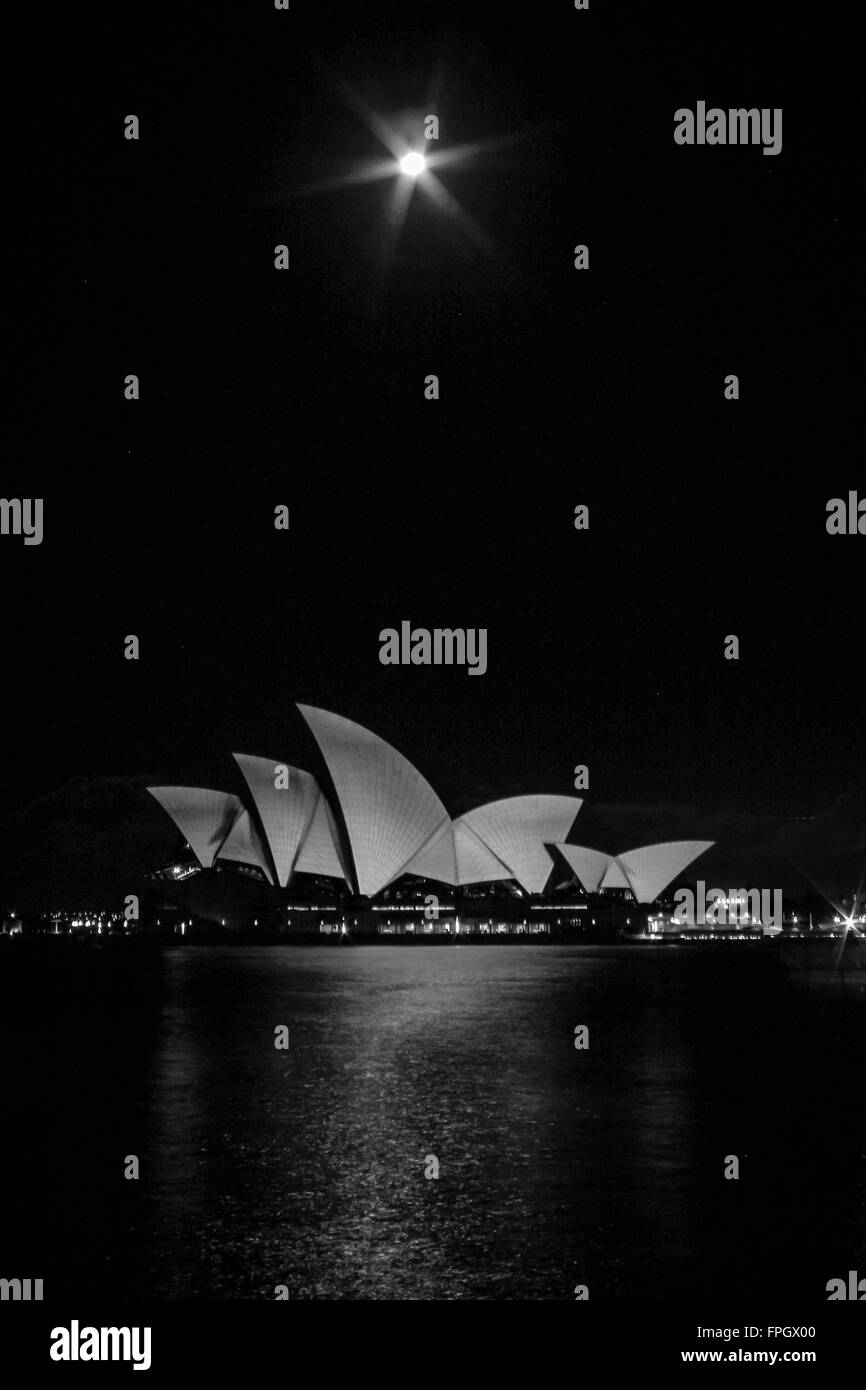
x=369 y=847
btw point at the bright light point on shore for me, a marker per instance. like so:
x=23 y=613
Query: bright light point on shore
x=412 y=164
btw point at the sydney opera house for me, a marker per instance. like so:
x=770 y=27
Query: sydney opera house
x=368 y=848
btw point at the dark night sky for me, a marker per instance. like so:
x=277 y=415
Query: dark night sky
x=557 y=387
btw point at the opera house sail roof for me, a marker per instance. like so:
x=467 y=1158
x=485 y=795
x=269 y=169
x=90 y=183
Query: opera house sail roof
x=590 y=865
x=646 y=871
x=517 y=829
x=205 y=817
x=458 y=857
x=322 y=850
x=285 y=799
x=389 y=810
x=392 y=823
x=244 y=845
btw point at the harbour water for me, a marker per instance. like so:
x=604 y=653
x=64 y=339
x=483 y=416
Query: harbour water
x=557 y=1166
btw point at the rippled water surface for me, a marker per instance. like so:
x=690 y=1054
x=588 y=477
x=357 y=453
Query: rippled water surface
x=556 y=1166
x=306 y=1168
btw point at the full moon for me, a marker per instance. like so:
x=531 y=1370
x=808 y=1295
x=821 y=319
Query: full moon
x=412 y=164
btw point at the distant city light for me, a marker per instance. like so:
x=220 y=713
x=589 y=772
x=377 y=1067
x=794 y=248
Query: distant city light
x=413 y=164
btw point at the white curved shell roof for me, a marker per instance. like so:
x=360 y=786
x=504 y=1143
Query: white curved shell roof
x=205 y=817
x=437 y=859
x=615 y=875
x=458 y=857
x=390 y=811
x=397 y=824
x=244 y=845
x=651 y=868
x=286 y=811
x=322 y=852
x=476 y=863
x=516 y=830
x=646 y=871
x=590 y=865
